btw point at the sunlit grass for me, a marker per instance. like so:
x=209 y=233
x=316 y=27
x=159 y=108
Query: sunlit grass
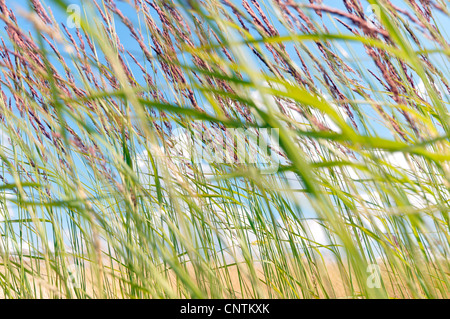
x=102 y=191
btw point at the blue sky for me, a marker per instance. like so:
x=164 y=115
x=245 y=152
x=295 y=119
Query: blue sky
x=357 y=57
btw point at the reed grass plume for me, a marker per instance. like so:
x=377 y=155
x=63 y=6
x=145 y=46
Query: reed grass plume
x=224 y=149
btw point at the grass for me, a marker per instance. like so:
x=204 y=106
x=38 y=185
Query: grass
x=323 y=129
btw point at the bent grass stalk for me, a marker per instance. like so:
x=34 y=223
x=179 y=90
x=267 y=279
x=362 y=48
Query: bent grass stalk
x=101 y=198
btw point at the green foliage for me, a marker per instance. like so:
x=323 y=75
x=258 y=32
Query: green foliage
x=101 y=197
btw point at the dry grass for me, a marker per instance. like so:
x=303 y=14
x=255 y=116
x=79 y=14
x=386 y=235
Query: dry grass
x=90 y=166
x=236 y=279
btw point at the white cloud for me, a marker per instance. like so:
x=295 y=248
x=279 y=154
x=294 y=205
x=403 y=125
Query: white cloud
x=4 y=139
x=7 y=210
x=316 y=231
x=291 y=108
x=13 y=247
x=423 y=93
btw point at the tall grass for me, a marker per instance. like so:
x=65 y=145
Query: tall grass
x=103 y=115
